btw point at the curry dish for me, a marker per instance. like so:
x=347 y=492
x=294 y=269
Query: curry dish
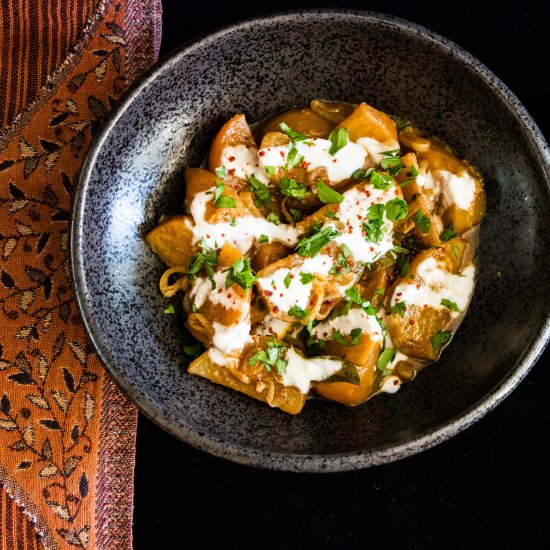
x=326 y=252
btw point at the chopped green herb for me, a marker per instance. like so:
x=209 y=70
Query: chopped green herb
x=342 y=266
x=386 y=357
x=337 y=336
x=240 y=273
x=233 y=222
x=293 y=188
x=310 y=246
x=332 y=215
x=222 y=201
x=221 y=172
x=287 y=280
x=192 y=351
x=296 y=136
x=296 y=214
x=391 y=162
x=403 y=264
x=273 y=218
x=269 y=170
x=396 y=210
x=263 y=239
x=259 y=189
x=194 y=308
x=441 y=338
x=306 y=278
x=412 y=174
x=400 y=122
x=298 y=312
x=448 y=233
x=339 y=139
x=293 y=158
x=328 y=195
x=170 y=309
x=272 y=357
x=455 y=251
x=374 y=226
x=355 y=334
x=354 y=295
x=206 y=259
x=381 y=181
x=451 y=305
x=399 y=308
x=422 y=222
x=380 y=291
x=361 y=174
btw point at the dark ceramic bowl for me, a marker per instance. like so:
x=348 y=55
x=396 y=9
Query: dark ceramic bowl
x=134 y=174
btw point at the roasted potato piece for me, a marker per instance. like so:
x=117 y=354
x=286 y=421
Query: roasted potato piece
x=306 y=121
x=366 y=121
x=364 y=355
x=268 y=253
x=172 y=240
x=267 y=388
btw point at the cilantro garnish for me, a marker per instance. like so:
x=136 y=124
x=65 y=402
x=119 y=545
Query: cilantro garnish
x=293 y=158
x=298 y=312
x=412 y=174
x=328 y=195
x=293 y=188
x=422 y=222
x=273 y=218
x=361 y=174
x=342 y=266
x=310 y=246
x=240 y=273
x=374 y=226
x=221 y=172
x=287 y=280
x=332 y=215
x=222 y=201
x=269 y=170
x=262 y=192
x=296 y=214
x=272 y=357
x=339 y=139
x=451 y=305
x=263 y=239
x=192 y=351
x=441 y=338
x=170 y=309
x=293 y=134
x=448 y=233
x=396 y=210
x=206 y=259
x=306 y=278
x=386 y=357
x=381 y=181
x=399 y=308
x=391 y=162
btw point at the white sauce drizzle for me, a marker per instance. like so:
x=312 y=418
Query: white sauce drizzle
x=202 y=290
x=458 y=190
x=355 y=318
x=436 y=285
x=375 y=147
x=242 y=234
x=300 y=372
x=297 y=294
x=391 y=384
x=271 y=326
x=242 y=162
x=339 y=166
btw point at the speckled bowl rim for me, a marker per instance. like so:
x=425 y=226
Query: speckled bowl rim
x=249 y=455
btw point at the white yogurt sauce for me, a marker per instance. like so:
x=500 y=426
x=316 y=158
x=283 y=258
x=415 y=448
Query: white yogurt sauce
x=271 y=326
x=458 y=190
x=339 y=166
x=375 y=147
x=297 y=294
x=353 y=213
x=391 y=384
x=241 y=235
x=300 y=372
x=202 y=290
x=242 y=161
x=437 y=284
x=355 y=318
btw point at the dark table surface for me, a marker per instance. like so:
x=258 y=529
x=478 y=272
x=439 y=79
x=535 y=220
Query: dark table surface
x=485 y=488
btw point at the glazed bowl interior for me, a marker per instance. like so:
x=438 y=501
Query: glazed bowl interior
x=260 y=68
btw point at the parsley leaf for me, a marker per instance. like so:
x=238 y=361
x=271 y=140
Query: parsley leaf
x=361 y=174
x=355 y=334
x=206 y=259
x=374 y=226
x=293 y=134
x=263 y=239
x=240 y=273
x=342 y=266
x=391 y=162
x=221 y=172
x=402 y=262
x=293 y=158
x=298 y=312
x=411 y=174
x=339 y=139
x=396 y=210
x=354 y=295
x=386 y=357
x=451 y=305
x=170 y=309
x=332 y=215
x=306 y=278
x=441 y=338
x=328 y=195
x=273 y=218
x=448 y=233
x=296 y=214
x=269 y=170
x=399 y=308
x=262 y=192
x=338 y=337
x=310 y=246
x=272 y=357
x=293 y=188
x=422 y=221
x=381 y=181
x=223 y=201
x=400 y=122
x=287 y=280
x=192 y=351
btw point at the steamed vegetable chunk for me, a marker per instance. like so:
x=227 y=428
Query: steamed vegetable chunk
x=328 y=252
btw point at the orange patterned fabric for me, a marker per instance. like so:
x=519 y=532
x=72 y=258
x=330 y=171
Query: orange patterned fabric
x=67 y=434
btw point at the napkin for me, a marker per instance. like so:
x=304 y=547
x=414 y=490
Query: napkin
x=67 y=433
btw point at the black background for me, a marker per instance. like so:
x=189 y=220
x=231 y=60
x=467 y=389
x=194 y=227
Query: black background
x=485 y=488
